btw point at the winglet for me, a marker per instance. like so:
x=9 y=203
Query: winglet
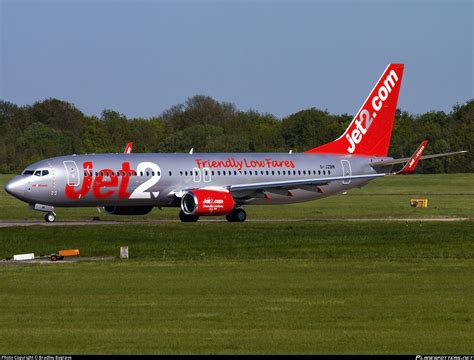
x=413 y=162
x=128 y=148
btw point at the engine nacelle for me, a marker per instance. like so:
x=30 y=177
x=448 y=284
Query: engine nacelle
x=207 y=202
x=128 y=210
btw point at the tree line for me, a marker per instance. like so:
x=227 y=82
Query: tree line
x=54 y=127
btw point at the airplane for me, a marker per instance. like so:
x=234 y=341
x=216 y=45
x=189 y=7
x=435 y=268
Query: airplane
x=221 y=184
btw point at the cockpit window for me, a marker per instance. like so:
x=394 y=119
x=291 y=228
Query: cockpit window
x=35 y=172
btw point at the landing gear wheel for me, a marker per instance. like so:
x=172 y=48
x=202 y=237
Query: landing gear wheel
x=50 y=217
x=187 y=218
x=237 y=215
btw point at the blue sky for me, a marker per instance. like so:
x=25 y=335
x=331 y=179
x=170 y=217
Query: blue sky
x=141 y=57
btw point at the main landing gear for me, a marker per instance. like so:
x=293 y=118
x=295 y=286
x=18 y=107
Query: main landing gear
x=237 y=215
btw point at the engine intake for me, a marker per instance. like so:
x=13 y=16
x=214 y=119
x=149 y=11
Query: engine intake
x=128 y=210
x=207 y=202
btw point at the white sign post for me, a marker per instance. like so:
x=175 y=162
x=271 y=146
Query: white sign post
x=124 y=252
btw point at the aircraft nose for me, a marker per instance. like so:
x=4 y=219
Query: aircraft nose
x=13 y=187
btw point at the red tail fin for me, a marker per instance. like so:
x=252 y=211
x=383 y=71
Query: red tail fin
x=370 y=131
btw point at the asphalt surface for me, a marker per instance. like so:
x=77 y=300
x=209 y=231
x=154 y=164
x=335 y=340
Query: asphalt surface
x=109 y=222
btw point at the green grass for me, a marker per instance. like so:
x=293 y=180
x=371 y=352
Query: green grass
x=265 y=288
x=448 y=195
x=306 y=287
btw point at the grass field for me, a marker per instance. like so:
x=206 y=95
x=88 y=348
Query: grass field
x=221 y=288
x=448 y=195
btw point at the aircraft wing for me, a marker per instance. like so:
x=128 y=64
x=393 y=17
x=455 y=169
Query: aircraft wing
x=279 y=187
x=405 y=160
x=307 y=184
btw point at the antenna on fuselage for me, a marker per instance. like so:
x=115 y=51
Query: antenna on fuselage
x=191 y=151
x=290 y=152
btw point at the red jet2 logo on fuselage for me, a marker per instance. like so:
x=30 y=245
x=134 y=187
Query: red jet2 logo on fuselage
x=107 y=182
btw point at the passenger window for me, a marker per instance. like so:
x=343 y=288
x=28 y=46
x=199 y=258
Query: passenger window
x=152 y=173
x=170 y=173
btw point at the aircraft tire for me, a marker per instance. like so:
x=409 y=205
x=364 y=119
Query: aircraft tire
x=50 y=217
x=237 y=215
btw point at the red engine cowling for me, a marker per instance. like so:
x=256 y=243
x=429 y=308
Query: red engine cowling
x=207 y=202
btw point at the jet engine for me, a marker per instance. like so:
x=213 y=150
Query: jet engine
x=128 y=210
x=207 y=202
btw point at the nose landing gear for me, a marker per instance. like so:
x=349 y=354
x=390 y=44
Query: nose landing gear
x=50 y=217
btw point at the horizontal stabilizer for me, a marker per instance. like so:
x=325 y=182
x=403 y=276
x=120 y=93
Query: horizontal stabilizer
x=404 y=160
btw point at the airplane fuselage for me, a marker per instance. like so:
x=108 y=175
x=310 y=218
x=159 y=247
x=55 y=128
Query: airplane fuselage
x=156 y=179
